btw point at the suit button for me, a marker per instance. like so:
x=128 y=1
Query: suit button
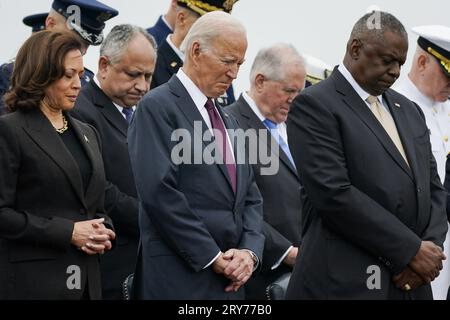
x=419 y=190
x=388 y=263
x=83 y=211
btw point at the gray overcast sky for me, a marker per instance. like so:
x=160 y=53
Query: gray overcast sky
x=319 y=28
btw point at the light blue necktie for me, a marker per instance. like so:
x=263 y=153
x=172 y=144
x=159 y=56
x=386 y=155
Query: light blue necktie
x=128 y=112
x=273 y=127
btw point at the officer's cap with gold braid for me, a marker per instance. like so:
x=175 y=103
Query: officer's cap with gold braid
x=204 y=6
x=435 y=40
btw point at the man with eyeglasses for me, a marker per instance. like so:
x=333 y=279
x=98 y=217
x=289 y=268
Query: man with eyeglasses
x=277 y=76
x=428 y=85
x=126 y=65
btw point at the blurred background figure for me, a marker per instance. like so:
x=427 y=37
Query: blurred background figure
x=87 y=26
x=126 y=65
x=52 y=179
x=165 y=24
x=276 y=78
x=428 y=85
x=170 y=57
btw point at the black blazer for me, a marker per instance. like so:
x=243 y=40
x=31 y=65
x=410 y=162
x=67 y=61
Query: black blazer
x=188 y=212
x=281 y=204
x=369 y=208
x=41 y=196
x=94 y=107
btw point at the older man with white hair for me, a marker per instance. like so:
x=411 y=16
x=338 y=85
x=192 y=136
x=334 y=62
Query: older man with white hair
x=200 y=221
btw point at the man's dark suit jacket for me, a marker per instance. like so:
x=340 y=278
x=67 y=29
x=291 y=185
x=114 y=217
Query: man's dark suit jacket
x=281 y=204
x=168 y=63
x=94 y=107
x=369 y=208
x=41 y=197
x=188 y=212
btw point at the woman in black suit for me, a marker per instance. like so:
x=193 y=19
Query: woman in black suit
x=51 y=179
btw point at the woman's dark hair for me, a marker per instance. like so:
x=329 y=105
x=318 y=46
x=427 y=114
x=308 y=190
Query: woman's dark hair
x=39 y=63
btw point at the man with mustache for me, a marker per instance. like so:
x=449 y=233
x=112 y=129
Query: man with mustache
x=126 y=65
x=377 y=217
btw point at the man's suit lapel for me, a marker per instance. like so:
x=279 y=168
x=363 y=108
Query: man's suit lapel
x=88 y=146
x=190 y=111
x=354 y=102
x=254 y=122
x=108 y=109
x=43 y=134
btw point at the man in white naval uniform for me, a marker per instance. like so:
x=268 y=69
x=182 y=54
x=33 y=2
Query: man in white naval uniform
x=428 y=85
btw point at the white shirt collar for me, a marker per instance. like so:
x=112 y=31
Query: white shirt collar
x=280 y=126
x=179 y=53
x=199 y=100
x=360 y=91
